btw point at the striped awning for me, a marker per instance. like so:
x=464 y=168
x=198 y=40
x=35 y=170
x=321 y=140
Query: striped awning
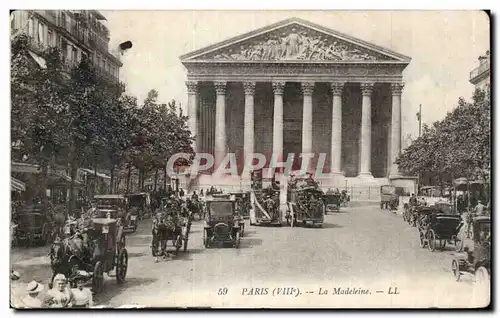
x=16 y=185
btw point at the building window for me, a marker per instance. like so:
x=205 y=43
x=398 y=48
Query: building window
x=12 y=21
x=74 y=56
x=30 y=27
x=63 y=19
x=50 y=37
x=41 y=32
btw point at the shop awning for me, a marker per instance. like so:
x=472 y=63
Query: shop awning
x=39 y=60
x=16 y=185
x=58 y=176
x=92 y=172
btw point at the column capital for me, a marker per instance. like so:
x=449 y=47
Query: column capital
x=220 y=87
x=192 y=87
x=278 y=88
x=337 y=88
x=307 y=88
x=249 y=88
x=397 y=88
x=367 y=89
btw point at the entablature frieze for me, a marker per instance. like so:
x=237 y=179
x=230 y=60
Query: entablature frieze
x=296 y=72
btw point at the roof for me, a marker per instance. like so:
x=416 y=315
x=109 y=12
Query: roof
x=92 y=172
x=109 y=196
x=392 y=56
x=104 y=221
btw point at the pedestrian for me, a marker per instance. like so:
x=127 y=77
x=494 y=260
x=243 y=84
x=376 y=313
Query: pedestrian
x=31 y=300
x=59 y=296
x=82 y=296
x=480 y=208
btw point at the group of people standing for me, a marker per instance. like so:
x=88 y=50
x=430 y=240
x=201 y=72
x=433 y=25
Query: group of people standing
x=60 y=295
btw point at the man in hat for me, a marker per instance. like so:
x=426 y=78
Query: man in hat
x=31 y=300
x=270 y=207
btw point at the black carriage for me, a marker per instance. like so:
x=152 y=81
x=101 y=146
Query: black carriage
x=108 y=254
x=478 y=261
x=332 y=202
x=389 y=196
x=139 y=204
x=116 y=207
x=436 y=227
x=305 y=211
x=196 y=206
x=221 y=225
x=33 y=226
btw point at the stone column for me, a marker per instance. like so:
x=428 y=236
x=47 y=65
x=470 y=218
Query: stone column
x=249 y=144
x=307 y=117
x=193 y=87
x=396 y=89
x=278 y=88
x=366 y=130
x=336 y=141
x=220 y=122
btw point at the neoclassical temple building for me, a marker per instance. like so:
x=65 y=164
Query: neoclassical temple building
x=297 y=87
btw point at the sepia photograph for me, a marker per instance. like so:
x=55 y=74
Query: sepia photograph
x=250 y=159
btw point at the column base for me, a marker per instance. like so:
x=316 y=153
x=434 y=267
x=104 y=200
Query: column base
x=365 y=175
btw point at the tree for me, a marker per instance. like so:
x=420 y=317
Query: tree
x=37 y=106
x=457 y=146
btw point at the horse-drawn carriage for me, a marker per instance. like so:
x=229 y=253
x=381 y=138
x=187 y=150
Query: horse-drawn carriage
x=478 y=261
x=305 y=207
x=434 y=226
x=33 y=226
x=196 y=206
x=221 y=226
x=172 y=223
x=389 y=196
x=332 y=202
x=103 y=252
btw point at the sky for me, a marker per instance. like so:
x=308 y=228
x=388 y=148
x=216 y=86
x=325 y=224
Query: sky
x=444 y=47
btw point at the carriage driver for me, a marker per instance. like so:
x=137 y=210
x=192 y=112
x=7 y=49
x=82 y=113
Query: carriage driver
x=85 y=227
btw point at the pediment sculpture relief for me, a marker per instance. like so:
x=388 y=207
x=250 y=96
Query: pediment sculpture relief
x=296 y=45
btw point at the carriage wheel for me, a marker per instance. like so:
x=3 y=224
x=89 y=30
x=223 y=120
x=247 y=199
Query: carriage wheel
x=482 y=277
x=237 y=240
x=121 y=266
x=455 y=269
x=206 y=239
x=178 y=244
x=431 y=237
x=422 y=239
x=98 y=278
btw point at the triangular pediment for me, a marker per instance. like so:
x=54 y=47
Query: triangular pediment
x=294 y=40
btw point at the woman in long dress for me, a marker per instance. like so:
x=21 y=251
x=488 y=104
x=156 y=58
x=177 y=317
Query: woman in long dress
x=59 y=296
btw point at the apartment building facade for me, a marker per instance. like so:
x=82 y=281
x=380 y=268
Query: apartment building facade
x=480 y=76
x=77 y=33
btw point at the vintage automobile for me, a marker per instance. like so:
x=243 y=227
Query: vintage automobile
x=113 y=254
x=116 y=206
x=389 y=196
x=434 y=226
x=305 y=211
x=139 y=204
x=33 y=226
x=220 y=224
x=260 y=215
x=478 y=261
x=332 y=202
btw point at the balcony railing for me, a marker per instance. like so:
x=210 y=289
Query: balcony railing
x=484 y=67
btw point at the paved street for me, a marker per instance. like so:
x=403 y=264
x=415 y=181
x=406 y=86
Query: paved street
x=362 y=247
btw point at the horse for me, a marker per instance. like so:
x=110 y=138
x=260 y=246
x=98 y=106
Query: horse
x=159 y=232
x=70 y=253
x=196 y=208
